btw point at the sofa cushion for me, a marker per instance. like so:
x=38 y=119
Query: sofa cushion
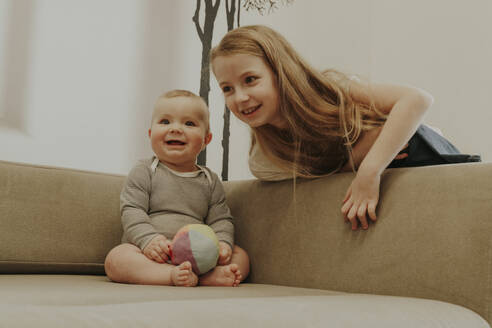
x=94 y=301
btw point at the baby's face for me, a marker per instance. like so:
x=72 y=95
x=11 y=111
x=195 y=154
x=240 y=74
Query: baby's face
x=179 y=131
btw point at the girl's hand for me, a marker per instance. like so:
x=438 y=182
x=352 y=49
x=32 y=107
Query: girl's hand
x=361 y=199
x=403 y=153
x=158 y=249
x=225 y=253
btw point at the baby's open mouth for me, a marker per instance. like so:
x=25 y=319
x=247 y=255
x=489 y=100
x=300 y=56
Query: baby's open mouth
x=175 y=142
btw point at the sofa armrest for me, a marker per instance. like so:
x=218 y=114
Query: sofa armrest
x=432 y=238
x=57 y=220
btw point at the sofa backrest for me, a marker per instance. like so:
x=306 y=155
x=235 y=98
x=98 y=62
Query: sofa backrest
x=432 y=239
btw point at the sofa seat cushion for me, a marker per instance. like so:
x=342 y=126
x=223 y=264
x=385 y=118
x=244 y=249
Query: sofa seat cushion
x=94 y=301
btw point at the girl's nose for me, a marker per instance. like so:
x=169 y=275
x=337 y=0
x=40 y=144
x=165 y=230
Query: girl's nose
x=241 y=95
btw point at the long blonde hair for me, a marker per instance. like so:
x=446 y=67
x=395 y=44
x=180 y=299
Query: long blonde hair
x=323 y=121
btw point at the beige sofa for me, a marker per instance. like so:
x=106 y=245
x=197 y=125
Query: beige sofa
x=427 y=262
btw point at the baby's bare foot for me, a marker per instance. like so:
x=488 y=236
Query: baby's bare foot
x=223 y=275
x=182 y=275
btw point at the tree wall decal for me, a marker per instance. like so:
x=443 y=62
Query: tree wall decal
x=205 y=34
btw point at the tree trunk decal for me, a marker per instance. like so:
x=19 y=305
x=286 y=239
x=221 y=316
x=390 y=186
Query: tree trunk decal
x=230 y=12
x=205 y=34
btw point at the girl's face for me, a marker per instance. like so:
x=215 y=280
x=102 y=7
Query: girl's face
x=250 y=89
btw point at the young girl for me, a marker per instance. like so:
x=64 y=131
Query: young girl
x=307 y=123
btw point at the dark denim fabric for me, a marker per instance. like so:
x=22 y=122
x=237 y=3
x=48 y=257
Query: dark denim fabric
x=427 y=147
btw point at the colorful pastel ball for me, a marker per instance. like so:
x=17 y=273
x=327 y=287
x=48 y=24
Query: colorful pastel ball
x=198 y=244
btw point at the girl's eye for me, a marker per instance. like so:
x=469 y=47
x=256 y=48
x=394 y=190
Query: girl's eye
x=250 y=79
x=190 y=123
x=164 y=121
x=226 y=89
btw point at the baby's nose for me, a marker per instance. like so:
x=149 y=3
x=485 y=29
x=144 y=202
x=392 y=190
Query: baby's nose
x=176 y=129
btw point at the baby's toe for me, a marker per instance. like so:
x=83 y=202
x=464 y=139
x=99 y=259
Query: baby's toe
x=185 y=266
x=183 y=277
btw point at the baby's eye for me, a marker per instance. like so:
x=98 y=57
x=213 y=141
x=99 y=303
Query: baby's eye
x=250 y=79
x=226 y=89
x=190 y=123
x=164 y=121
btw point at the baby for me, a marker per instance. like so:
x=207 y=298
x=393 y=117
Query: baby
x=168 y=191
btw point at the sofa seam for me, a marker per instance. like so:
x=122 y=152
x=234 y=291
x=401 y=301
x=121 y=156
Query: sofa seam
x=49 y=263
x=59 y=168
x=488 y=297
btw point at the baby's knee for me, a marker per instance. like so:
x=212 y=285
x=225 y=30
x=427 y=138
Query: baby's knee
x=240 y=252
x=115 y=261
x=110 y=263
x=241 y=255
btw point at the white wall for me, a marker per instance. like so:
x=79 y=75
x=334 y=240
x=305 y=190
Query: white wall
x=79 y=78
x=444 y=47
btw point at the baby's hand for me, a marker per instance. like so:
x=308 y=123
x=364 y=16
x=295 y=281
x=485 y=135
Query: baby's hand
x=158 y=249
x=225 y=253
x=361 y=198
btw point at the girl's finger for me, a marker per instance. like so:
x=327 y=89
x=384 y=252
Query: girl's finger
x=354 y=224
x=347 y=194
x=371 y=210
x=401 y=156
x=352 y=213
x=346 y=207
x=361 y=214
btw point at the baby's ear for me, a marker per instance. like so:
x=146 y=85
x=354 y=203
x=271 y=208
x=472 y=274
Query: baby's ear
x=150 y=132
x=208 y=138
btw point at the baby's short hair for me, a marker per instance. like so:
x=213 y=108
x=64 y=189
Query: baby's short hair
x=188 y=94
x=179 y=93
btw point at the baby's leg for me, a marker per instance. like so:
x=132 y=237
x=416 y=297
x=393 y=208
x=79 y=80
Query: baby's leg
x=127 y=264
x=231 y=274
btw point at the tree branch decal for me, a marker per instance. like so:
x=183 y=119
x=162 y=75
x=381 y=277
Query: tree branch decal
x=263 y=6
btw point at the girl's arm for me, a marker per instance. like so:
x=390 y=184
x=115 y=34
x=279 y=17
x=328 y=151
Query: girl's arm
x=405 y=107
